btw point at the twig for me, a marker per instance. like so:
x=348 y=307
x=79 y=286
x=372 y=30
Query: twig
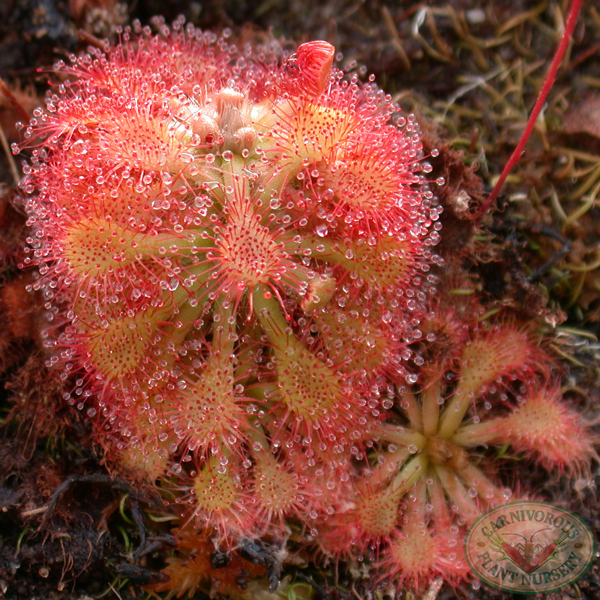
x=557 y=256
x=396 y=41
x=13 y=100
x=9 y=156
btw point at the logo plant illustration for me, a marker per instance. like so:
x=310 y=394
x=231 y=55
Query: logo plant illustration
x=236 y=250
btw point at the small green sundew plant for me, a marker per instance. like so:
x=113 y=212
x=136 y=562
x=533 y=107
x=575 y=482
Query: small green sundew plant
x=235 y=251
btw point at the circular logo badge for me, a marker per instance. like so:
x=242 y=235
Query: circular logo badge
x=529 y=547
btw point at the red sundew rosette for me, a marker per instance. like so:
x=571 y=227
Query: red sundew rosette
x=170 y=218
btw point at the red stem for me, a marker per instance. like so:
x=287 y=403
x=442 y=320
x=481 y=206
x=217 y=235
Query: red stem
x=572 y=15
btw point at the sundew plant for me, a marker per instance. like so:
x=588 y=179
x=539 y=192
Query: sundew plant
x=236 y=254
